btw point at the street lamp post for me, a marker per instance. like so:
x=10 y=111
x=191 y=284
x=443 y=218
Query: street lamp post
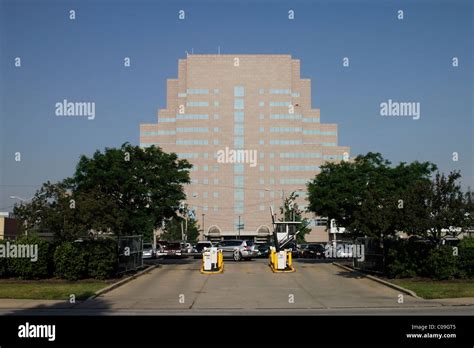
x=203 y=229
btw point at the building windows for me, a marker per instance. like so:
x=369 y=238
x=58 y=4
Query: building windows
x=239 y=181
x=280 y=91
x=311 y=119
x=295 y=95
x=197 y=91
x=328 y=144
x=238 y=104
x=299 y=168
x=300 y=155
x=261 y=129
x=271 y=181
x=285 y=117
x=239 y=91
x=216 y=181
x=239 y=142
x=216 y=129
x=272 y=155
x=166 y=119
x=182 y=95
x=292 y=181
x=277 y=104
x=285 y=129
x=238 y=168
x=261 y=207
x=205 y=195
x=205 y=155
x=205 y=208
x=191 y=142
x=216 y=116
x=215 y=168
x=205 y=167
x=188 y=155
x=261 y=103
x=261 y=117
x=261 y=142
x=205 y=181
x=160 y=132
x=318 y=132
x=197 y=103
x=216 y=141
x=216 y=91
x=239 y=129
x=333 y=157
x=261 y=167
x=191 y=117
x=272 y=194
x=216 y=209
x=272 y=168
x=238 y=116
x=215 y=194
x=238 y=195
x=262 y=155
x=216 y=104
x=261 y=91
x=239 y=208
x=285 y=142
x=261 y=194
x=262 y=181
x=192 y=130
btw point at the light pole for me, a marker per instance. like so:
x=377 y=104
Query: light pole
x=203 y=229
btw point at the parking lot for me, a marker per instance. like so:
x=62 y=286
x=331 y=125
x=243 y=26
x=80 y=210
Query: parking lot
x=317 y=285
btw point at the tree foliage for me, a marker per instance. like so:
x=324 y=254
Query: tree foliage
x=292 y=212
x=124 y=191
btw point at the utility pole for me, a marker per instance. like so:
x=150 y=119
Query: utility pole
x=239 y=227
x=203 y=229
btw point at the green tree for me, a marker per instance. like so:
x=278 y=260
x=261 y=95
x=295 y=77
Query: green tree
x=125 y=191
x=175 y=227
x=365 y=195
x=438 y=207
x=292 y=212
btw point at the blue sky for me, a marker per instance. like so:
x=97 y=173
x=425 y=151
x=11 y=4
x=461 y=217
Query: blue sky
x=82 y=60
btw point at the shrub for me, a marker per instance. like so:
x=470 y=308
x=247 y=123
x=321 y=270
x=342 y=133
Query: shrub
x=102 y=258
x=70 y=261
x=3 y=264
x=441 y=263
x=466 y=258
x=26 y=268
x=400 y=263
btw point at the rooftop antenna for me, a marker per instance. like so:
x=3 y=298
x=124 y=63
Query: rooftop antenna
x=192 y=50
x=187 y=54
x=219 y=50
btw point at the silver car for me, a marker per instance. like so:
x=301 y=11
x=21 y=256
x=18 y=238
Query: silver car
x=236 y=248
x=148 y=251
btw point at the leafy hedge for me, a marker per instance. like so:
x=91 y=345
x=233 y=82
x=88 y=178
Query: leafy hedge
x=25 y=268
x=409 y=259
x=68 y=260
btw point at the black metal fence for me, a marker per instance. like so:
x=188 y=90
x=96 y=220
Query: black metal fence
x=130 y=251
x=373 y=260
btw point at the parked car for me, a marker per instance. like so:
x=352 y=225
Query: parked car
x=148 y=251
x=253 y=248
x=200 y=247
x=263 y=249
x=236 y=248
x=314 y=251
x=173 y=249
x=186 y=248
x=161 y=248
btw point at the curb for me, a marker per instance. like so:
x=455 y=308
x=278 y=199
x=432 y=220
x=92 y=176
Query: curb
x=121 y=282
x=381 y=281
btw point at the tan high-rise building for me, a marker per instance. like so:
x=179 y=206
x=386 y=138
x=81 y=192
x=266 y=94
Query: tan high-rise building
x=246 y=124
